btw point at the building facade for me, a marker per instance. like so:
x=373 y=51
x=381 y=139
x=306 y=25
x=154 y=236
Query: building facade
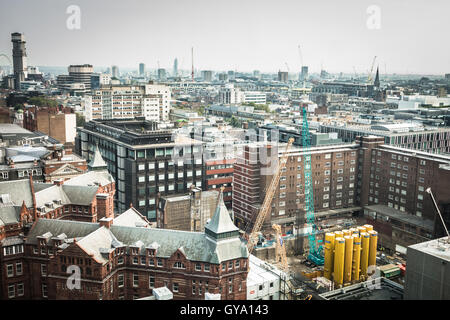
x=125 y=262
x=121 y=102
x=142 y=160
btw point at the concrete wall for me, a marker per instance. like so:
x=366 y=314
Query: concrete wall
x=427 y=277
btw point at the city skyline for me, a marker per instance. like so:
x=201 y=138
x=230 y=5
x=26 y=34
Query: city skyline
x=233 y=36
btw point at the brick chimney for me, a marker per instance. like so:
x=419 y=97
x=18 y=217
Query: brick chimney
x=106 y=222
x=104 y=206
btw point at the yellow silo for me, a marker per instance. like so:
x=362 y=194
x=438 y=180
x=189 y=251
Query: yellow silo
x=356 y=257
x=361 y=230
x=373 y=249
x=368 y=227
x=365 y=240
x=348 y=259
x=338 y=234
x=329 y=255
x=339 y=250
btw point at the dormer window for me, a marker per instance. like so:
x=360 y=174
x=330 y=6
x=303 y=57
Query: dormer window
x=177 y=265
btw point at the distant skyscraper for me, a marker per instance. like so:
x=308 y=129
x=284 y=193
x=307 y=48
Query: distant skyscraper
x=257 y=74
x=231 y=75
x=207 y=75
x=115 y=71
x=175 y=67
x=303 y=74
x=162 y=74
x=141 y=69
x=81 y=74
x=283 y=76
x=19 y=58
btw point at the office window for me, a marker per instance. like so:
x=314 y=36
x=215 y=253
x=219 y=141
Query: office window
x=43 y=269
x=135 y=280
x=160 y=263
x=175 y=287
x=325 y=204
x=198 y=267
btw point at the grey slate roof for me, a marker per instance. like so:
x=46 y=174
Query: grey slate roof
x=81 y=195
x=131 y=218
x=19 y=190
x=91 y=178
x=9 y=215
x=98 y=243
x=72 y=229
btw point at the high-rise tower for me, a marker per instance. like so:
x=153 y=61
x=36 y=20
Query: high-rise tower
x=141 y=69
x=19 y=58
x=175 y=68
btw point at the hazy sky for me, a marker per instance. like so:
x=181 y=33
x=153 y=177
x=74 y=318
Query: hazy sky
x=234 y=34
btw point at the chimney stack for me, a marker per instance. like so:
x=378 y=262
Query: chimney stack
x=106 y=222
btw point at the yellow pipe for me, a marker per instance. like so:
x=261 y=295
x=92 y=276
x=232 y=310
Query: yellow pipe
x=373 y=250
x=329 y=255
x=338 y=234
x=365 y=240
x=348 y=259
x=356 y=257
x=339 y=250
x=361 y=230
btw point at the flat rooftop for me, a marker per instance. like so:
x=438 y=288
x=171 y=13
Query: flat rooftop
x=439 y=248
x=375 y=289
x=401 y=216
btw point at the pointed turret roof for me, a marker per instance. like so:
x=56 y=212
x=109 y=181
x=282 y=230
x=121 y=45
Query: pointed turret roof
x=377 y=79
x=97 y=162
x=221 y=222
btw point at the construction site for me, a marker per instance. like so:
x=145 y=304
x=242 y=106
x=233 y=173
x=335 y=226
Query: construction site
x=323 y=261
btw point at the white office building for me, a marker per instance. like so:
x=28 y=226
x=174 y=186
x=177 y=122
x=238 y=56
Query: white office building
x=151 y=101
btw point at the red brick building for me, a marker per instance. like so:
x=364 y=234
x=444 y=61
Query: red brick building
x=218 y=174
x=123 y=262
x=57 y=122
x=88 y=197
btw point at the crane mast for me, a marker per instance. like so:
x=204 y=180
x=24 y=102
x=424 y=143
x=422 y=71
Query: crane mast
x=266 y=206
x=315 y=251
x=280 y=248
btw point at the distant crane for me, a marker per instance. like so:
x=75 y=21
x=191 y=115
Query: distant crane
x=301 y=56
x=369 y=77
x=428 y=190
x=287 y=67
x=270 y=193
x=192 y=53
